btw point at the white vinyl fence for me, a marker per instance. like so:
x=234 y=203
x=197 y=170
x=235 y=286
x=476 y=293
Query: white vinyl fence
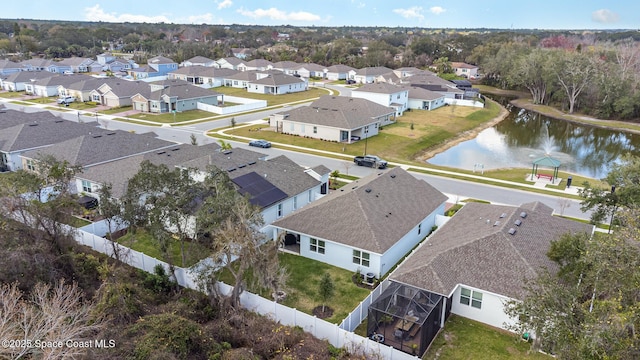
x=244 y=105
x=319 y=328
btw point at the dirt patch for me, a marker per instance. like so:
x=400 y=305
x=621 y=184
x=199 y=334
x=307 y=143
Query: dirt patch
x=327 y=313
x=464 y=136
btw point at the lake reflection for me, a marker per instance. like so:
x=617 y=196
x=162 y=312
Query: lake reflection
x=525 y=136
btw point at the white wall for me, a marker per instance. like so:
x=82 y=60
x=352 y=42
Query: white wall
x=339 y=255
x=491 y=312
x=270 y=214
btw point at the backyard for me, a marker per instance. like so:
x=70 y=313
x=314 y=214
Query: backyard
x=273 y=100
x=463 y=339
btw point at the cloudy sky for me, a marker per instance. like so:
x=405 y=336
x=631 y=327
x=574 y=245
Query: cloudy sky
x=505 y=14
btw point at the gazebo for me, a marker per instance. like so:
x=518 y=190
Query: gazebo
x=548 y=162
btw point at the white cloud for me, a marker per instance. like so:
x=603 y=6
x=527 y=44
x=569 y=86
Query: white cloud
x=200 y=19
x=275 y=14
x=224 y=4
x=437 y=10
x=96 y=13
x=358 y=4
x=604 y=16
x=414 y=12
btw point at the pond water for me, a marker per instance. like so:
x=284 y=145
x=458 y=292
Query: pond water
x=525 y=136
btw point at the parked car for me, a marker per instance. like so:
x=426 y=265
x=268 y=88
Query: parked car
x=66 y=100
x=260 y=143
x=370 y=161
x=350 y=81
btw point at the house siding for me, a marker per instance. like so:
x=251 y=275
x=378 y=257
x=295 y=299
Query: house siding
x=491 y=312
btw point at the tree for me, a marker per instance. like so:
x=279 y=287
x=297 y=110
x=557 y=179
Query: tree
x=233 y=122
x=326 y=289
x=624 y=179
x=224 y=145
x=533 y=71
x=589 y=308
x=52 y=313
x=574 y=73
x=111 y=210
x=194 y=140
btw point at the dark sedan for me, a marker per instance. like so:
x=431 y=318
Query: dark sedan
x=260 y=143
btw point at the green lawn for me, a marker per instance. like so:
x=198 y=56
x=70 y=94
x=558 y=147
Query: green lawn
x=143 y=242
x=11 y=94
x=303 y=284
x=116 y=110
x=169 y=118
x=463 y=339
x=275 y=99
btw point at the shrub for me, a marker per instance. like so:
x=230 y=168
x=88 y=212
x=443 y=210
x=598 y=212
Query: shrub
x=166 y=334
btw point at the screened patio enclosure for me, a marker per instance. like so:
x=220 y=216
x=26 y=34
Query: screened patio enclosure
x=406 y=318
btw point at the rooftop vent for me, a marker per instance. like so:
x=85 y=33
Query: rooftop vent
x=227 y=152
x=393 y=176
x=367 y=190
x=176 y=149
x=241 y=166
x=251 y=163
x=97 y=136
x=518 y=222
x=34 y=124
x=512 y=231
x=111 y=133
x=503 y=215
x=59 y=121
x=161 y=152
x=496 y=223
x=523 y=214
x=231 y=169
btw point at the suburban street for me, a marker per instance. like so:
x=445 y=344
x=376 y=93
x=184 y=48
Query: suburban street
x=456 y=189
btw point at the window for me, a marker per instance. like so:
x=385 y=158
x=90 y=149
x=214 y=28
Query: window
x=310 y=195
x=302 y=128
x=316 y=246
x=280 y=210
x=315 y=129
x=86 y=186
x=30 y=165
x=292 y=127
x=419 y=229
x=473 y=298
x=295 y=202
x=361 y=258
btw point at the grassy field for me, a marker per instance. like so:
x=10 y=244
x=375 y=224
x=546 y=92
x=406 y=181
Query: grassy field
x=168 y=118
x=463 y=339
x=143 y=242
x=272 y=100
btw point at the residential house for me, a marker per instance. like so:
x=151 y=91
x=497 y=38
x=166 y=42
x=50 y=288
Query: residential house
x=30 y=133
x=57 y=67
x=482 y=256
x=105 y=58
x=465 y=70
x=116 y=92
x=242 y=53
x=81 y=65
x=35 y=64
x=277 y=84
x=256 y=64
x=367 y=226
x=199 y=61
x=118 y=171
x=173 y=95
x=278 y=185
x=98 y=147
x=230 y=63
x=49 y=86
x=334 y=118
x=242 y=79
x=368 y=75
x=287 y=67
x=423 y=99
x=408 y=71
x=116 y=66
x=82 y=89
x=385 y=94
x=16 y=81
x=309 y=70
x=203 y=76
x=157 y=66
x=432 y=82
x=9 y=67
x=338 y=72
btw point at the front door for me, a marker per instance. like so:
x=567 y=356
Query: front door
x=344 y=135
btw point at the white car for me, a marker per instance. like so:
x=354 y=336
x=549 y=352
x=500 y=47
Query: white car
x=66 y=100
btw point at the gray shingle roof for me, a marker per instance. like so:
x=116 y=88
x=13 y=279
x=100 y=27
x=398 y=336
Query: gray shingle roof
x=27 y=76
x=43 y=132
x=340 y=112
x=423 y=94
x=339 y=68
x=371 y=213
x=101 y=146
x=9 y=118
x=280 y=171
x=381 y=88
x=117 y=173
x=208 y=71
x=61 y=80
x=475 y=248
x=373 y=71
x=278 y=79
x=122 y=88
x=180 y=89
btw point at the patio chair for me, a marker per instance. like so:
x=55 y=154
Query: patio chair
x=398 y=334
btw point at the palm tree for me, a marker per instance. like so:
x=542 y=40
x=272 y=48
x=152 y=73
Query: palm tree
x=224 y=146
